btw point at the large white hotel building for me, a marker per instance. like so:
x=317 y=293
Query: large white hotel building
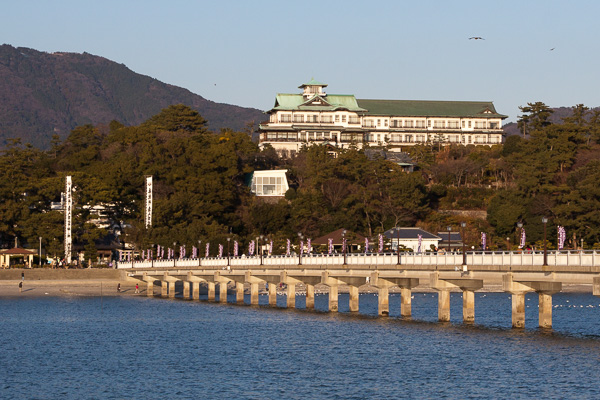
x=313 y=116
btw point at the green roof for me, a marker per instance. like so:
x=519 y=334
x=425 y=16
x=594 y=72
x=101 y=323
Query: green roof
x=312 y=82
x=331 y=102
x=424 y=108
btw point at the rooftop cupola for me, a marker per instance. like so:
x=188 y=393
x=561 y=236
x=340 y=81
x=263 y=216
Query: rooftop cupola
x=313 y=88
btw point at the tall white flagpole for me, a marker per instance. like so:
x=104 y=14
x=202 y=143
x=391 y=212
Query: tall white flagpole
x=68 y=208
x=148 y=214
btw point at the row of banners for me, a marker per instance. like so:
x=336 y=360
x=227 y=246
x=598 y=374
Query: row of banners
x=160 y=251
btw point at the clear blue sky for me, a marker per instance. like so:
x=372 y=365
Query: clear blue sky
x=244 y=52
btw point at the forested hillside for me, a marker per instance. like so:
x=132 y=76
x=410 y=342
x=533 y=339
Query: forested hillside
x=46 y=94
x=200 y=190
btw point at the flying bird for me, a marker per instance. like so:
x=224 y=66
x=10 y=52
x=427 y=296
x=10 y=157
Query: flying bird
x=552 y=48
x=476 y=38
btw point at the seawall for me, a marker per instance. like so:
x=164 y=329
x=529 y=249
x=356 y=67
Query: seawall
x=45 y=274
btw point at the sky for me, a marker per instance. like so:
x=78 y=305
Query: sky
x=245 y=52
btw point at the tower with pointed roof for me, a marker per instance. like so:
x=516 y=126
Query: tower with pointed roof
x=342 y=121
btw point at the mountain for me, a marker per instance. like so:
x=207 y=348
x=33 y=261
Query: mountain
x=42 y=94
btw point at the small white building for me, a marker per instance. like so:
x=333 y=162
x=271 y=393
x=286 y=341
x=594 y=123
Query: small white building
x=269 y=183
x=409 y=238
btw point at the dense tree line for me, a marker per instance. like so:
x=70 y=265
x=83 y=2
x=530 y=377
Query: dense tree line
x=201 y=187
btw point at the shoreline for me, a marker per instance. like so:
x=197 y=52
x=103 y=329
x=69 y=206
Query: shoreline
x=108 y=287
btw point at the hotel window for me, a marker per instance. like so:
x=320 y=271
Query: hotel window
x=408 y=138
x=337 y=118
x=439 y=124
x=395 y=138
x=429 y=123
x=493 y=125
x=343 y=118
x=313 y=118
x=469 y=124
x=408 y=123
x=453 y=124
x=385 y=122
x=299 y=118
x=420 y=138
x=326 y=119
x=420 y=123
x=378 y=122
x=354 y=120
x=286 y=118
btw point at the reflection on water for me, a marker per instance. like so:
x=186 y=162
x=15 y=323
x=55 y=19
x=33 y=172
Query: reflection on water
x=138 y=347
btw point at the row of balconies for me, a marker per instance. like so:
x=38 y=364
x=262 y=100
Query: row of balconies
x=360 y=139
x=392 y=126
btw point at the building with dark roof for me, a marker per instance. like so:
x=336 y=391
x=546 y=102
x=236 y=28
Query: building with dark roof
x=314 y=117
x=409 y=238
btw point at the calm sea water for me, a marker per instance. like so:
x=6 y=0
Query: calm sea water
x=139 y=348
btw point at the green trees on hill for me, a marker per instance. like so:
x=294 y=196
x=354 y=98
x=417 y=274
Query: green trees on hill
x=201 y=192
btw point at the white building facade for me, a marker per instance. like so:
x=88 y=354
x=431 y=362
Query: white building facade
x=314 y=117
x=269 y=183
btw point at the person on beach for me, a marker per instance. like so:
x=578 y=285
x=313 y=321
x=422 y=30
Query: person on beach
x=23 y=276
x=137 y=288
x=20 y=286
x=119 y=288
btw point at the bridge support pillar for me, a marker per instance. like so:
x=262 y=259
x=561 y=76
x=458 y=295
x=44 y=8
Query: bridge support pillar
x=211 y=291
x=545 y=290
x=195 y=290
x=239 y=292
x=310 y=296
x=171 y=290
x=353 y=302
x=222 y=292
x=164 y=288
x=405 y=302
x=545 y=310
x=291 y=295
x=596 y=289
x=468 y=306
x=150 y=288
x=384 y=301
x=254 y=294
x=186 y=290
x=273 y=295
x=518 y=310
x=444 y=305
x=333 y=298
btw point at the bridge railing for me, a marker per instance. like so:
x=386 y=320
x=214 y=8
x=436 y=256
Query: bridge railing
x=566 y=258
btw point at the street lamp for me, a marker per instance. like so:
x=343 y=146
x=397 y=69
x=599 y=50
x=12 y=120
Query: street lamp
x=463 y=225
x=300 y=248
x=344 y=244
x=398 y=245
x=40 y=255
x=507 y=244
x=545 y=221
x=261 y=249
x=449 y=228
x=520 y=233
x=228 y=258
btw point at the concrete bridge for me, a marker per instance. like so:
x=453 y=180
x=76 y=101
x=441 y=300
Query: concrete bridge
x=515 y=273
